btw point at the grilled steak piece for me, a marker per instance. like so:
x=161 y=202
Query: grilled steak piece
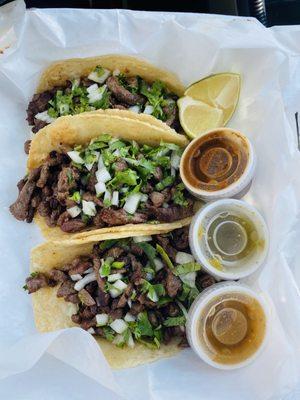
x=58 y=275
x=86 y=298
x=122 y=94
x=27 y=146
x=67 y=179
x=65 y=289
x=120 y=165
x=73 y=225
x=157 y=199
x=119 y=217
x=138 y=275
x=79 y=266
x=20 y=208
x=39 y=103
x=36 y=282
x=170 y=214
x=180 y=238
x=115 y=252
x=173 y=284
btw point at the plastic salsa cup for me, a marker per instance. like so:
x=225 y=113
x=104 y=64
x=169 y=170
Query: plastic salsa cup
x=229 y=238
x=219 y=164
x=228 y=325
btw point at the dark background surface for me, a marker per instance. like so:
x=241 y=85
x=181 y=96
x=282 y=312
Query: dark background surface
x=269 y=12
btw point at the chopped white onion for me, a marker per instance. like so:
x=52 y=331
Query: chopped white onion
x=103 y=175
x=116 y=72
x=129 y=317
x=101 y=319
x=64 y=109
x=100 y=162
x=114 y=293
x=95 y=93
x=173 y=171
x=76 y=277
x=189 y=279
x=44 y=116
x=93 y=76
x=165 y=205
x=91 y=331
x=175 y=160
x=148 y=109
x=117 y=153
x=114 y=277
x=89 y=166
x=107 y=196
x=183 y=258
x=144 y=197
x=120 y=285
x=92 y=88
x=130 y=341
x=135 y=109
x=115 y=199
x=100 y=187
x=88 y=271
x=84 y=281
x=158 y=264
x=74 y=155
x=118 y=340
x=89 y=208
x=129 y=302
x=132 y=203
x=119 y=325
x=144 y=238
x=74 y=211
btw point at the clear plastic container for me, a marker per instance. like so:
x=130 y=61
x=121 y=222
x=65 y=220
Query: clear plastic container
x=229 y=238
x=228 y=325
x=219 y=164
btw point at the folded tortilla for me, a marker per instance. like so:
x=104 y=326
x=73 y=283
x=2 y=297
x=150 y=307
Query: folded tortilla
x=52 y=313
x=68 y=131
x=59 y=72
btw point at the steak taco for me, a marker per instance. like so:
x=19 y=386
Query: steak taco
x=119 y=82
x=90 y=174
x=132 y=294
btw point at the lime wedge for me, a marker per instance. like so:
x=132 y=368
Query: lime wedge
x=220 y=92
x=197 y=117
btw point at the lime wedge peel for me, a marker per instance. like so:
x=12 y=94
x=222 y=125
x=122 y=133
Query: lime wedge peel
x=219 y=92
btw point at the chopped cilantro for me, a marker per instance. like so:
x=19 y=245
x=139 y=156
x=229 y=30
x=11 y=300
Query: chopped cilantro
x=178 y=196
x=76 y=196
x=164 y=183
x=186 y=268
x=175 y=321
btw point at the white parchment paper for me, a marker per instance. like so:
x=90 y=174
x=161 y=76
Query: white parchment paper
x=68 y=364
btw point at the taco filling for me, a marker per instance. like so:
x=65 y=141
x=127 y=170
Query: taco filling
x=130 y=290
x=103 y=89
x=110 y=182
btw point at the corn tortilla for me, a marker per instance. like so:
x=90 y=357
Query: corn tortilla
x=52 y=313
x=68 y=131
x=59 y=72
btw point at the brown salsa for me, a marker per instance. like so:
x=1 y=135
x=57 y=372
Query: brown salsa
x=215 y=161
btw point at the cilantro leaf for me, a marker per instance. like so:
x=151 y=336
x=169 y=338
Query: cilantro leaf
x=175 y=321
x=186 y=268
x=75 y=197
x=143 y=326
x=128 y=177
x=178 y=196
